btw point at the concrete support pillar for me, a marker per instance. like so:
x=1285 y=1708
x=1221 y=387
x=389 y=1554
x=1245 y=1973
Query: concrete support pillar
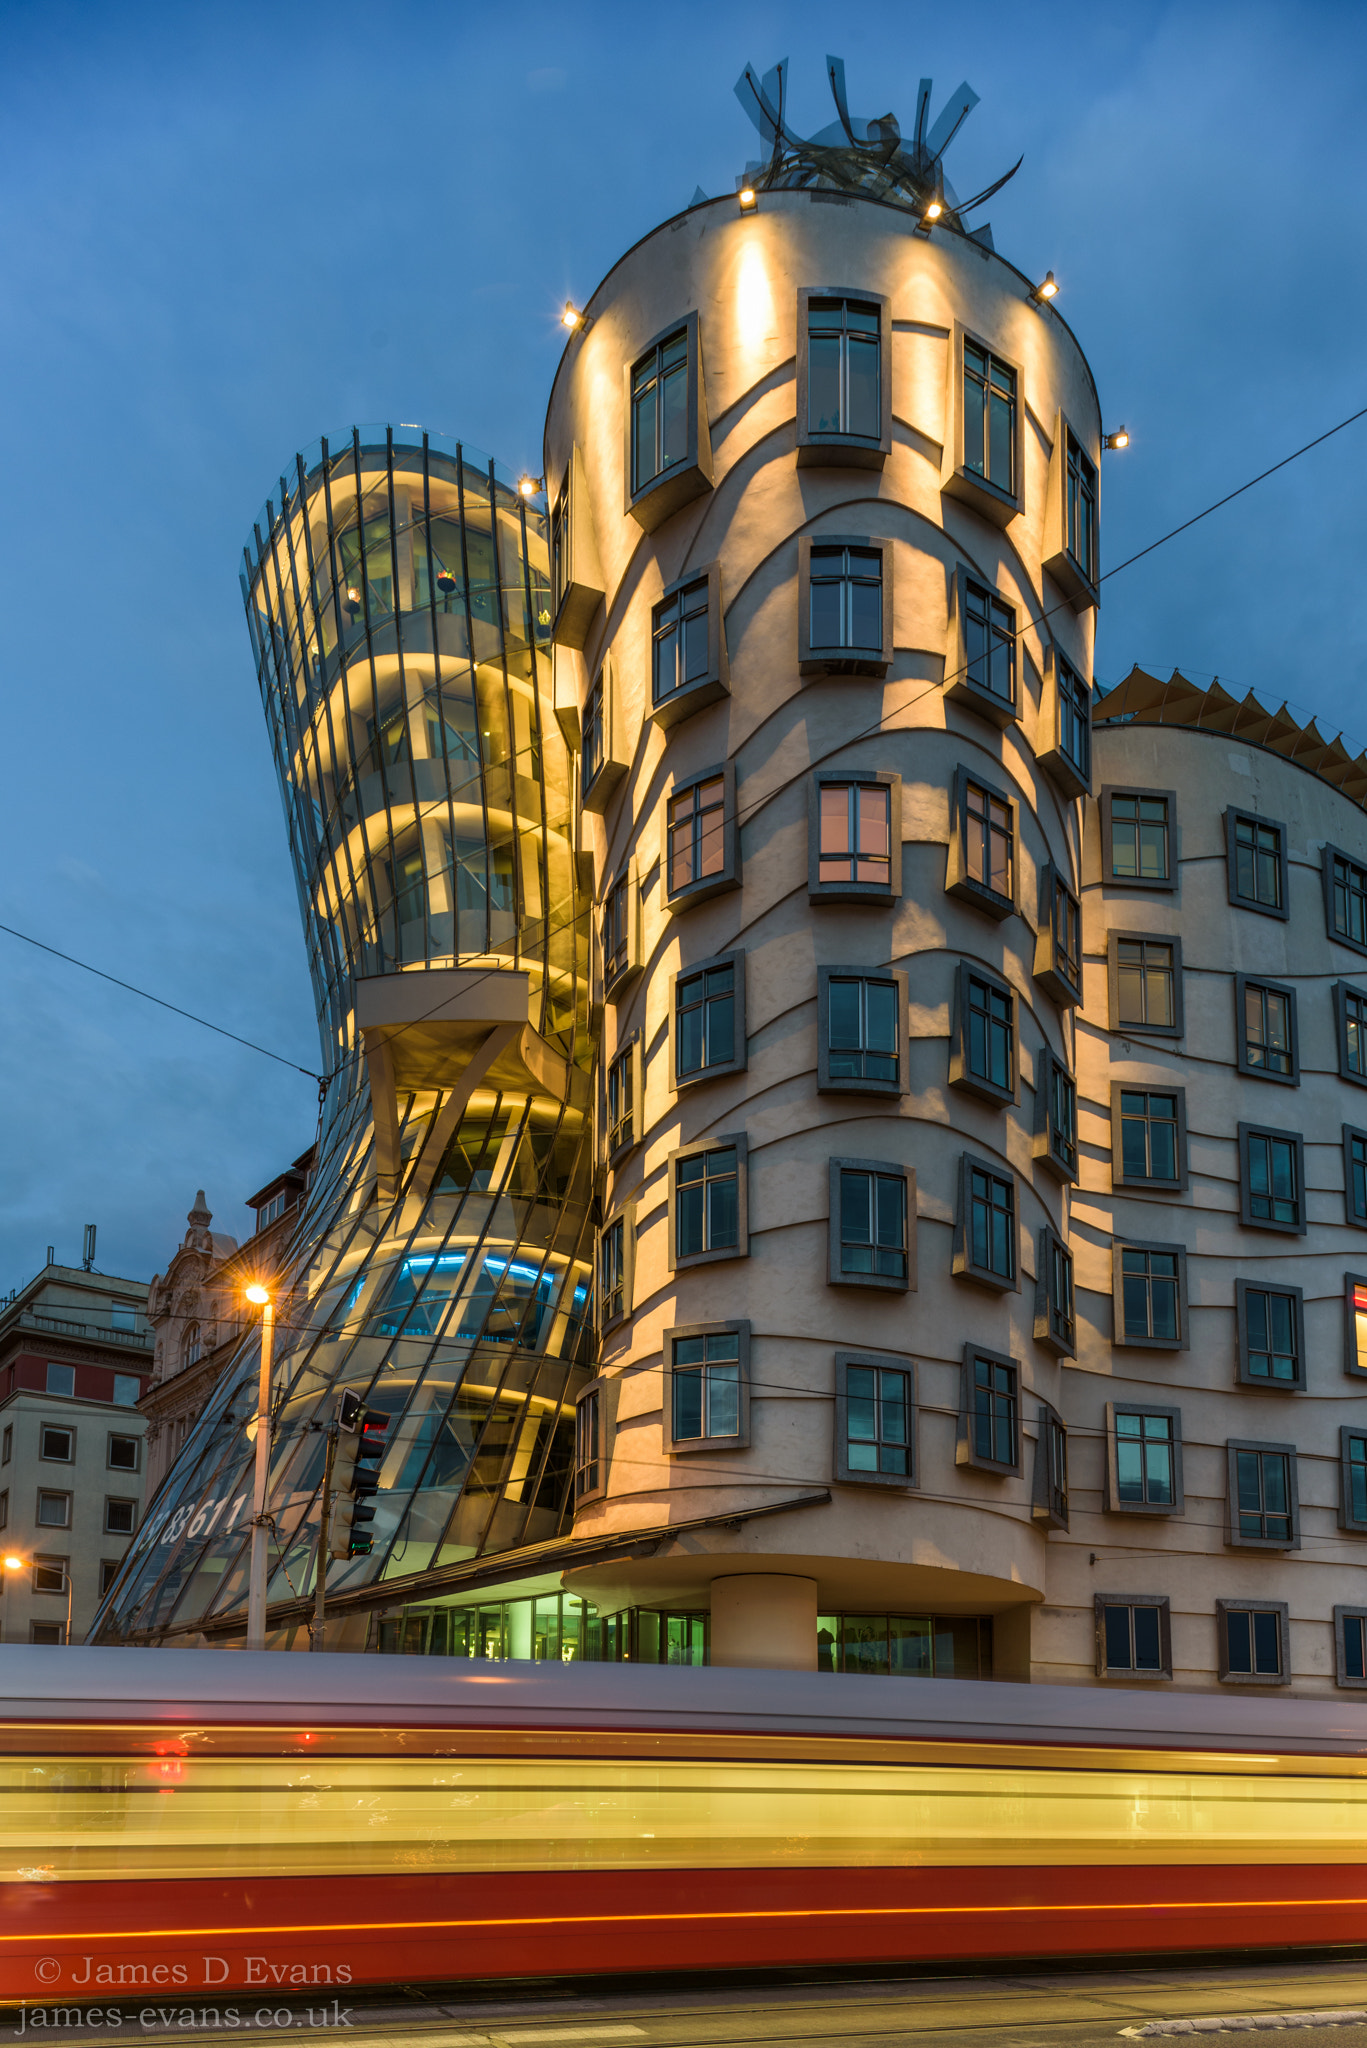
x=764 y=1621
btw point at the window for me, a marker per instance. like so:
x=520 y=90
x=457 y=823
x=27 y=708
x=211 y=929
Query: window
x=1149 y=1284
x=1350 y=1645
x=123 y=1317
x=1345 y=892
x=49 y=1575
x=1353 y=1478
x=119 y=1517
x=54 y=1510
x=1263 y=1508
x=1081 y=508
x=1133 y=1637
x=872 y=1210
x=191 y=1347
x=1073 y=725
x=1253 y=1641
x=1355 y=1174
x=1354 y=1323
x=708 y=1019
x=1271 y=1179
x=1144 y=1460
x=707 y=1395
x=1256 y=851
x=862 y=1026
x=109 y=1571
x=843 y=368
x=874 y=1419
x=990 y=645
x=621 y=948
x=123 y=1454
x=57 y=1444
x=587 y=1445
x=700 y=836
x=1058 y=945
x=981 y=868
x=1054 y=1324
x=595 y=736
x=127 y=1390
x=560 y=541
x=61 y=1379
x=1137 y=838
x=855 y=837
x=688 y=648
x=7 y=1444
x=576 y=577
x=989 y=418
x=47 y=1632
x=620 y=1100
x=1271 y=1334
x=1055 y=1133
x=707 y=1206
x=989 y=1412
x=845 y=605
x=1266 y=1013
x=614 y=1270
x=659 y=410
x=1350 y=1018
x=1145 y=978
x=985 y=1239
x=1148 y=1138
x=4 y=1509
x=984 y=1052
x=1050 y=1501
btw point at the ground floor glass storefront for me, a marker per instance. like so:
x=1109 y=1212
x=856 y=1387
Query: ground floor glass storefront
x=906 y=1645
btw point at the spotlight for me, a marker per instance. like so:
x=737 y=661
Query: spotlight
x=933 y=211
x=528 y=485
x=1119 y=439
x=748 y=199
x=1046 y=291
x=573 y=318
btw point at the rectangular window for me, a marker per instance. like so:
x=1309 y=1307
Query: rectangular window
x=4 y=1509
x=1270 y=1334
x=1350 y=1011
x=706 y=1386
x=706 y=1203
x=61 y=1379
x=127 y=1390
x=990 y=1033
x=1263 y=1495
x=659 y=410
x=679 y=637
x=1145 y=1450
x=1355 y=1174
x=1081 y=509
x=560 y=542
x=1257 y=862
x=1050 y=1502
x=49 y=1576
x=846 y=598
x=989 y=841
x=612 y=1271
x=621 y=1101
x=875 y=1420
x=843 y=381
x=57 y=1444
x=109 y=1571
x=990 y=644
x=7 y=1444
x=618 y=949
x=594 y=742
x=1151 y=1295
x=1137 y=837
x=54 y=1510
x=873 y=1225
x=855 y=833
x=1074 y=719
x=863 y=1033
x=696 y=829
x=993 y=1403
x=1354 y=1323
x=1253 y=1640
x=1350 y=1642
x=1059 y=1332
x=989 y=418
x=119 y=1517
x=708 y=1036
x=586 y=1444
x=123 y=1454
x=1055 y=1115
x=1267 y=1030
x=989 y=1225
x=1152 y=1150
x=1058 y=943
x=1346 y=884
x=1132 y=1638
x=1353 y=1462
x=1272 y=1178
x=1145 y=975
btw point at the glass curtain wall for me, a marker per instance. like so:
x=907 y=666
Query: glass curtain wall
x=398 y=602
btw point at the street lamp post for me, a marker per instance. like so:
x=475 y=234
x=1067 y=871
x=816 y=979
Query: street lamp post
x=256 y=1583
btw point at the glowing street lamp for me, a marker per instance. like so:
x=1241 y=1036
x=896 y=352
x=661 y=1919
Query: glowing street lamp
x=573 y=318
x=1046 y=290
x=747 y=199
x=256 y=1582
x=1119 y=439
x=528 y=485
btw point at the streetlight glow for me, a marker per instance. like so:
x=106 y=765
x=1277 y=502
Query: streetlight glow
x=747 y=198
x=571 y=317
x=1047 y=290
x=1119 y=439
x=933 y=211
x=257 y=1293
x=529 y=485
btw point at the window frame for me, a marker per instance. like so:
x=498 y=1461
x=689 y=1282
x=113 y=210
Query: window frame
x=964 y=1266
x=1342 y=1615
x=572 y=545
x=842 y=661
x=1110 y=880
x=691 y=477
x=736 y=1141
x=1147 y=1185
x=596 y=794
x=4 y=1508
x=595 y=1391
x=1054 y=758
x=846 y=891
x=1233 y=1538
x=728 y=877
x=715 y=683
x=629 y=1051
x=1119 y=1246
x=956 y=479
x=1113 y=1503
x=960 y=688
x=1234 y=817
x=735 y=1065
x=1175 y=1030
x=619 y=979
x=1341 y=992
x=843 y=450
x=686 y=1446
x=1128 y=1675
x=1044 y=1148
x=45 y=1457
x=1049 y=970
x=1079 y=581
x=120 y=1501
x=1352 y=1369
x=625 y=1214
x=1350 y=1215
x=960 y=1074
x=882 y=1283
x=1247 y=1133
x=1242 y=984
x=51 y=1493
x=110 y=1567
x=124 y=1437
x=880 y=1362
x=857 y=1085
x=1050 y=1431
x=1048 y=1244
x=1296 y=1295
x=50 y=1560
x=958 y=881
x=965 y=1448
x=1347 y=1520
x=1223 y=1609
x=1328 y=856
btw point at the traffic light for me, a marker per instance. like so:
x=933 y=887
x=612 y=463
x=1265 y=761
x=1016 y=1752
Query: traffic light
x=355 y=1476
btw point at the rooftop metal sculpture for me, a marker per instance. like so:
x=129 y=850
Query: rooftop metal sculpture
x=857 y=156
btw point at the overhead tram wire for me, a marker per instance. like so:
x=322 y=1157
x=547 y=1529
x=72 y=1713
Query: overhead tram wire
x=743 y=811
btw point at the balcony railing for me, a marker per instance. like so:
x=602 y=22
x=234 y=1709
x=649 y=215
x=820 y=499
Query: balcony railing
x=100 y=1333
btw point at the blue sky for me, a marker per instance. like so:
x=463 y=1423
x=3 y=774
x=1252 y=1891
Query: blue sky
x=225 y=230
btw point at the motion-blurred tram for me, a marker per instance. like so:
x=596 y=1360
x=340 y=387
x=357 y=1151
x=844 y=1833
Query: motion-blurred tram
x=200 y=1822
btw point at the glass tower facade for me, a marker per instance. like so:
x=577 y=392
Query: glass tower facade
x=398 y=602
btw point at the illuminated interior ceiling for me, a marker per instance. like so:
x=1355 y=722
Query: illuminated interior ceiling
x=854 y=155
